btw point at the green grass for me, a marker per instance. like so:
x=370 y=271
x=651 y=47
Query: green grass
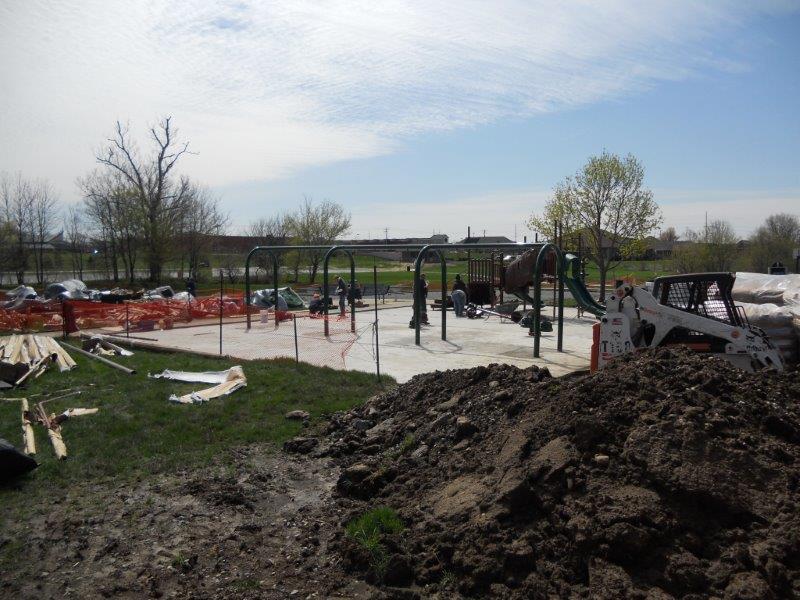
x=137 y=433
x=368 y=531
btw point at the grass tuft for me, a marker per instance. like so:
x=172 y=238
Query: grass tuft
x=368 y=531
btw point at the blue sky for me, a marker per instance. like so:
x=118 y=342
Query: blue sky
x=419 y=117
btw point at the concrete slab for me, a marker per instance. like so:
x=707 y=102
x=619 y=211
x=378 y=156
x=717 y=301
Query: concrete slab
x=471 y=342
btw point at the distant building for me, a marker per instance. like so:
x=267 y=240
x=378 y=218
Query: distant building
x=489 y=239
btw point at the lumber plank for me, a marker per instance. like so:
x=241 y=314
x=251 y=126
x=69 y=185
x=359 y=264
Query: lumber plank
x=29 y=441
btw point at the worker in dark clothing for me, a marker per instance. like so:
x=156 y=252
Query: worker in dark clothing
x=191 y=287
x=421 y=297
x=317 y=306
x=341 y=289
x=459 y=296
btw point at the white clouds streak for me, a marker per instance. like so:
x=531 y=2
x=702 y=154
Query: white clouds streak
x=265 y=88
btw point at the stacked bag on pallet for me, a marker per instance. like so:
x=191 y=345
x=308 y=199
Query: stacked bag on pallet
x=772 y=302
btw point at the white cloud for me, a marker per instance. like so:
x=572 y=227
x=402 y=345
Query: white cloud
x=265 y=88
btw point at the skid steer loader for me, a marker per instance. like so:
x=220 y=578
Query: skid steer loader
x=694 y=310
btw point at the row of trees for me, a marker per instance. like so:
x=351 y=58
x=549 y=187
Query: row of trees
x=607 y=205
x=138 y=212
x=29 y=216
x=717 y=248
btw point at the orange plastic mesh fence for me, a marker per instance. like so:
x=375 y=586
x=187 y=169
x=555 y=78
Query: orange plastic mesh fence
x=35 y=315
x=277 y=339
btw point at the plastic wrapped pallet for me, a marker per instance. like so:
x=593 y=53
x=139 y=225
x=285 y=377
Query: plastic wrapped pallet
x=779 y=323
x=758 y=288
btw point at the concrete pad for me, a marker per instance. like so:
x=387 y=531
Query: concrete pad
x=471 y=342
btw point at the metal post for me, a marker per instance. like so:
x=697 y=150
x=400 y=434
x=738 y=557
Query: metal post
x=444 y=295
x=377 y=345
x=353 y=292
x=296 y=347
x=560 y=274
x=128 y=320
x=220 y=311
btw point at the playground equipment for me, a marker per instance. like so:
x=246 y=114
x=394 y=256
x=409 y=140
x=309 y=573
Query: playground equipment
x=545 y=259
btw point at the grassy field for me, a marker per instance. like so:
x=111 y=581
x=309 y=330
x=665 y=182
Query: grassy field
x=137 y=433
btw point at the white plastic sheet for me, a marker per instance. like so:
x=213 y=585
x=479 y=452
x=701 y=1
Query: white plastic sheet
x=227 y=382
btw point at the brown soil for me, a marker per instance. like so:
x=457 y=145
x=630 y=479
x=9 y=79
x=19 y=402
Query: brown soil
x=667 y=475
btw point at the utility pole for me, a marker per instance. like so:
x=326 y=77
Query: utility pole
x=386 y=234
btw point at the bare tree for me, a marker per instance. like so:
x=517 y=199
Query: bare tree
x=113 y=209
x=44 y=216
x=162 y=198
x=269 y=231
x=606 y=201
x=75 y=234
x=18 y=206
x=669 y=235
x=202 y=220
x=316 y=225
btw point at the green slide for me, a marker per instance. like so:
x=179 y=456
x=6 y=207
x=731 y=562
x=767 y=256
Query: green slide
x=572 y=279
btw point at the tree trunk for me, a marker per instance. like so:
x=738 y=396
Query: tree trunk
x=603 y=276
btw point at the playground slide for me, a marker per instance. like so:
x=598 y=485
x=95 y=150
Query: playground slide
x=572 y=280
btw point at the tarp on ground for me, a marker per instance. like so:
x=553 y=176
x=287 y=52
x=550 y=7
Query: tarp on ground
x=73 y=289
x=227 y=382
x=778 y=322
x=759 y=288
x=266 y=298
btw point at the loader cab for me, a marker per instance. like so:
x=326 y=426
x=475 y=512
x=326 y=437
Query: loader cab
x=705 y=294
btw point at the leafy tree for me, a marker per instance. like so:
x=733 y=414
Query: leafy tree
x=606 y=203
x=775 y=240
x=713 y=249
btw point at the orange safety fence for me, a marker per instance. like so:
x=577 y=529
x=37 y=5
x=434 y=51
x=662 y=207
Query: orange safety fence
x=74 y=315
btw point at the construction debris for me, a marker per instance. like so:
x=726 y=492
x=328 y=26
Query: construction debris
x=25 y=356
x=105 y=361
x=27 y=428
x=227 y=382
x=13 y=463
x=98 y=344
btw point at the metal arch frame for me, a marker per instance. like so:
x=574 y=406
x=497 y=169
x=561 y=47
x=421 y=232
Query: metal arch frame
x=331 y=251
x=271 y=251
x=544 y=249
x=437 y=249
x=537 y=296
x=349 y=248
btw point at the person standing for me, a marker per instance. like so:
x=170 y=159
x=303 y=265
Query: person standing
x=459 y=296
x=191 y=286
x=423 y=306
x=341 y=290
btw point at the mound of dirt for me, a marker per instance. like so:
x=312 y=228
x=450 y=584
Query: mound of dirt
x=666 y=475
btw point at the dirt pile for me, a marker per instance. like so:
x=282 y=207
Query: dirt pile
x=665 y=475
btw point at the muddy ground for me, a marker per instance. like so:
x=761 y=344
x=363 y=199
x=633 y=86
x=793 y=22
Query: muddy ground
x=665 y=476
x=259 y=530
